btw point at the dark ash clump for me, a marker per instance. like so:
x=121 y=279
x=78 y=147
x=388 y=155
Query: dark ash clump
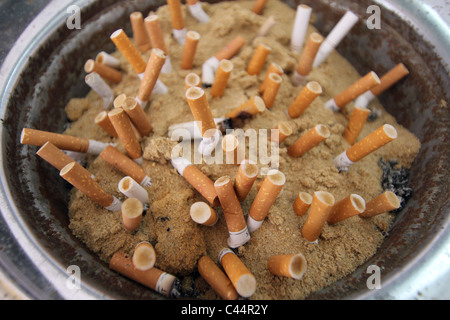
x=396 y=179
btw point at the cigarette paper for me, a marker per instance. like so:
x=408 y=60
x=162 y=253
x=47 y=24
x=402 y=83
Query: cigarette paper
x=128 y=50
x=273 y=68
x=132 y=210
x=200 y=109
x=53 y=155
x=306 y=60
x=202 y=213
x=355 y=124
x=196 y=10
x=309 y=140
x=122 y=125
x=144 y=256
x=221 y=79
x=140 y=35
x=265 y=27
x=129 y=187
x=346 y=208
x=233 y=149
x=258 y=59
x=251 y=107
x=96 y=83
x=242 y=279
x=245 y=178
x=190 y=47
x=215 y=277
x=107 y=59
x=208 y=71
x=103 y=121
x=302 y=203
x=152 y=71
x=137 y=116
x=385 y=202
x=288 y=265
x=176 y=17
x=271 y=89
x=300 y=27
x=281 y=132
x=319 y=210
x=103 y=70
x=190 y=130
x=192 y=80
x=308 y=94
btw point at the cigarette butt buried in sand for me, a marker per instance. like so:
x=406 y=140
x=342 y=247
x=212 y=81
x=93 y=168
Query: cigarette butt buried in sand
x=107 y=59
x=103 y=70
x=258 y=59
x=189 y=50
x=221 y=79
x=129 y=187
x=242 y=279
x=202 y=213
x=273 y=68
x=96 y=82
x=140 y=35
x=252 y=107
x=271 y=89
x=177 y=20
x=355 y=124
x=81 y=179
x=265 y=198
x=302 y=203
x=192 y=80
x=200 y=109
x=306 y=60
x=103 y=121
x=196 y=10
x=281 y=132
x=319 y=210
x=245 y=178
x=132 y=210
x=354 y=91
x=137 y=116
x=365 y=146
x=346 y=208
x=125 y=165
x=300 y=27
x=385 y=202
x=53 y=155
x=144 y=256
x=288 y=265
x=216 y=278
x=265 y=27
x=304 y=99
x=309 y=140
x=153 y=278
x=151 y=74
x=128 y=50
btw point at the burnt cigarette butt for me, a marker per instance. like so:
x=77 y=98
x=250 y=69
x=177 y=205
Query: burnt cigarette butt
x=152 y=71
x=271 y=89
x=128 y=50
x=122 y=125
x=390 y=78
x=385 y=202
x=253 y=106
x=53 y=155
x=258 y=59
x=140 y=35
x=144 y=256
x=245 y=178
x=216 y=278
x=62 y=141
x=233 y=149
x=137 y=116
x=288 y=265
x=132 y=210
x=154 y=32
x=176 y=14
x=192 y=80
x=319 y=210
x=200 y=109
x=230 y=49
x=221 y=79
x=201 y=183
x=355 y=124
x=302 y=203
x=202 y=213
x=346 y=208
x=258 y=6
x=103 y=121
x=304 y=99
x=306 y=60
x=129 y=187
x=242 y=279
x=282 y=130
x=189 y=50
x=273 y=68
x=309 y=140
x=103 y=70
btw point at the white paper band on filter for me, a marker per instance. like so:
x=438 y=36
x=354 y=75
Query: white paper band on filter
x=252 y=224
x=167 y=67
x=180 y=164
x=298 y=79
x=342 y=162
x=331 y=104
x=108 y=60
x=165 y=284
x=239 y=238
x=198 y=13
x=208 y=144
x=364 y=99
x=116 y=205
x=146 y=182
x=96 y=147
x=208 y=71
x=96 y=83
x=180 y=35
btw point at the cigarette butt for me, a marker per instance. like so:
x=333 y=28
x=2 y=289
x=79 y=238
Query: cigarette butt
x=176 y=14
x=245 y=178
x=390 y=78
x=119 y=102
x=355 y=124
x=304 y=99
x=53 y=155
x=288 y=265
x=273 y=68
x=265 y=198
x=302 y=17
x=125 y=165
x=132 y=210
x=196 y=10
x=107 y=59
x=96 y=83
x=258 y=6
x=230 y=49
x=139 y=32
x=103 y=121
x=202 y=213
x=152 y=71
x=122 y=125
x=302 y=203
x=103 y=70
x=319 y=210
x=309 y=140
x=190 y=47
x=346 y=208
x=281 y=132
x=81 y=179
x=385 y=202
x=153 y=278
x=306 y=60
x=129 y=187
x=192 y=80
x=62 y=141
x=233 y=149
x=137 y=115
x=253 y=106
x=271 y=89
x=258 y=59
x=128 y=50
x=144 y=256
x=216 y=278
x=154 y=32
x=265 y=27
x=242 y=279
x=221 y=79
x=202 y=184
x=200 y=109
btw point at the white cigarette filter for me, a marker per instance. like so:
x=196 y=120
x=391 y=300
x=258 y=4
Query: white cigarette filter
x=202 y=213
x=209 y=69
x=196 y=10
x=335 y=37
x=300 y=27
x=107 y=59
x=96 y=83
x=144 y=256
x=129 y=187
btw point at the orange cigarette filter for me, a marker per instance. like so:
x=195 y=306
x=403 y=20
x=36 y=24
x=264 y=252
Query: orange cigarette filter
x=103 y=70
x=189 y=50
x=304 y=99
x=273 y=68
x=385 y=202
x=356 y=89
x=281 y=132
x=192 y=80
x=216 y=278
x=200 y=109
x=390 y=78
x=258 y=59
x=302 y=203
x=346 y=208
x=252 y=107
x=62 y=141
x=242 y=279
x=319 y=210
x=271 y=89
x=119 y=102
x=154 y=32
x=221 y=79
x=355 y=124
x=53 y=155
x=137 y=116
x=132 y=210
x=202 y=213
x=103 y=121
x=122 y=125
x=309 y=140
x=245 y=178
x=152 y=71
x=288 y=265
x=258 y=6
x=140 y=35
x=372 y=142
x=306 y=60
x=197 y=179
x=144 y=256
x=230 y=49
x=176 y=14
x=129 y=51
